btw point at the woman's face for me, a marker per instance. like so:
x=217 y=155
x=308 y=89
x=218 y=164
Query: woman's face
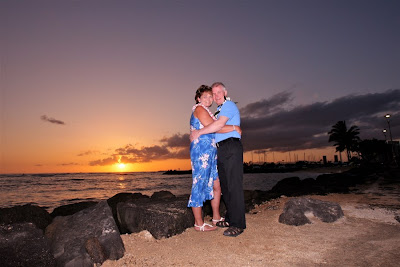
x=206 y=99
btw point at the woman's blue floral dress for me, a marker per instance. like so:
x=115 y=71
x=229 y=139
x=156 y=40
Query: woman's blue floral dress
x=203 y=155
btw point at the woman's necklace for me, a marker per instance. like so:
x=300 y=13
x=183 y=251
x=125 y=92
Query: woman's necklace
x=209 y=112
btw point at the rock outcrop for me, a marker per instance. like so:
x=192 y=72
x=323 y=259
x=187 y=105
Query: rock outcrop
x=297 y=210
x=85 y=238
x=161 y=217
x=324 y=184
x=123 y=197
x=23 y=244
x=26 y=213
x=70 y=209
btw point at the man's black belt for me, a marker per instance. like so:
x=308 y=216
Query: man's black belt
x=228 y=140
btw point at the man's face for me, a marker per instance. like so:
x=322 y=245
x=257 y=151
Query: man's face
x=218 y=94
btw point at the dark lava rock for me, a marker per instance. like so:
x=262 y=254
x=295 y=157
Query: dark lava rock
x=256 y=197
x=23 y=244
x=162 y=218
x=123 y=197
x=96 y=250
x=70 y=209
x=85 y=238
x=288 y=186
x=294 y=212
x=26 y=213
x=162 y=195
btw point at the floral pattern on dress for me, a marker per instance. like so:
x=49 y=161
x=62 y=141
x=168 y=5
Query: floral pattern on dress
x=203 y=155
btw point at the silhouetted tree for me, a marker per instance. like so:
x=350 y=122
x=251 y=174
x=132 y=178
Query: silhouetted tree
x=345 y=139
x=373 y=151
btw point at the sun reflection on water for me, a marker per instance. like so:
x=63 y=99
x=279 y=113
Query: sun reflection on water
x=122 y=184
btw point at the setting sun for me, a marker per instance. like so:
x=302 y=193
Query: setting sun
x=121 y=166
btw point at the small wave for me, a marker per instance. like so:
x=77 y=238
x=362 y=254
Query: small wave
x=95 y=188
x=138 y=189
x=74 y=200
x=43 y=175
x=5 y=176
x=164 y=187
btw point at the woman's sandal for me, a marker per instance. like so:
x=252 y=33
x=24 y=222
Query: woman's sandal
x=233 y=231
x=203 y=228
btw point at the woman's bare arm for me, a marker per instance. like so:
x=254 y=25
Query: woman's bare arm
x=229 y=128
x=203 y=115
x=206 y=119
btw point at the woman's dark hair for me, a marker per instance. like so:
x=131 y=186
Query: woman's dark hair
x=202 y=89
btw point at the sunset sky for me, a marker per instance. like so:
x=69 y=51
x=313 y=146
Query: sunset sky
x=85 y=84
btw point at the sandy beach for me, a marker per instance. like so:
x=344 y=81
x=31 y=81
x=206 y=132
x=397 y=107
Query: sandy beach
x=368 y=235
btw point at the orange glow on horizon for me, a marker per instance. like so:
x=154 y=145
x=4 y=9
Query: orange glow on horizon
x=82 y=167
x=160 y=165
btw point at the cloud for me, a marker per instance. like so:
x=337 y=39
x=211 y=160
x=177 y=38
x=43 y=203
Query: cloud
x=102 y=162
x=174 y=147
x=68 y=164
x=275 y=124
x=304 y=127
x=87 y=153
x=266 y=106
x=177 y=140
x=51 y=120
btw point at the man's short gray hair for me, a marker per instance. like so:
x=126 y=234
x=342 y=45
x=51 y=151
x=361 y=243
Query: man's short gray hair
x=218 y=84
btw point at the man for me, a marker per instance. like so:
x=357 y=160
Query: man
x=230 y=160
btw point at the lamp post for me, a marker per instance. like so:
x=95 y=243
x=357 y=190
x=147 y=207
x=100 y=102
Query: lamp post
x=384 y=133
x=387 y=116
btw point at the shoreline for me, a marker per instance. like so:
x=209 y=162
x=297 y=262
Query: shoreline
x=319 y=169
x=330 y=169
x=82 y=186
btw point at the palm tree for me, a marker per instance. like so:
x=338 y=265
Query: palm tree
x=345 y=139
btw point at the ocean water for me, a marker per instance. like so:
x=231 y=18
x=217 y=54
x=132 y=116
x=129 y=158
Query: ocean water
x=57 y=189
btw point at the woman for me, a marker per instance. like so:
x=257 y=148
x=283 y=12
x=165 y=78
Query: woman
x=203 y=155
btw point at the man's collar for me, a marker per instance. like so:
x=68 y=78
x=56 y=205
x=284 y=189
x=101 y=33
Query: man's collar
x=221 y=104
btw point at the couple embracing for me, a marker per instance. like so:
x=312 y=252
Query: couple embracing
x=216 y=154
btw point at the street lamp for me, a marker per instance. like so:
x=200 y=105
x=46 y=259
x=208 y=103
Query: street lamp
x=384 y=133
x=387 y=116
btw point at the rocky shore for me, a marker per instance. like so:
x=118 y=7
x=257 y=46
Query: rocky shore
x=117 y=232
